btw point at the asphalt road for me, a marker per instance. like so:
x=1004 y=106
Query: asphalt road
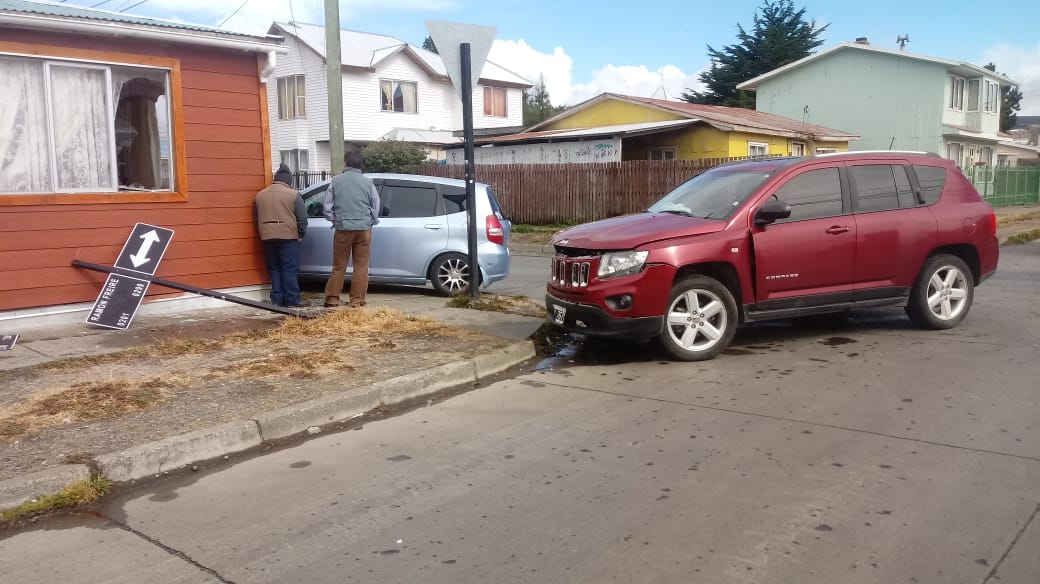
x=864 y=451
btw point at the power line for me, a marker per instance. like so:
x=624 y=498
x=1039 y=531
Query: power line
x=243 y=5
x=133 y=6
x=98 y=4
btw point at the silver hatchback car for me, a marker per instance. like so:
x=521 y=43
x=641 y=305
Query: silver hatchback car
x=421 y=235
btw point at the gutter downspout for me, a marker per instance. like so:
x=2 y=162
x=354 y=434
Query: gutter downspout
x=270 y=62
x=118 y=29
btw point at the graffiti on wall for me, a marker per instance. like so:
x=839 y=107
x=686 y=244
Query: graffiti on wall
x=556 y=153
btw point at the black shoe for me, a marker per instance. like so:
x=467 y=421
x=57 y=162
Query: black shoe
x=298 y=305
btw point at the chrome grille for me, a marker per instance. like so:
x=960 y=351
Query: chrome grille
x=570 y=274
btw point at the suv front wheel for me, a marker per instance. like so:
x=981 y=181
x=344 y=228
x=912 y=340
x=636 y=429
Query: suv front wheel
x=942 y=295
x=701 y=319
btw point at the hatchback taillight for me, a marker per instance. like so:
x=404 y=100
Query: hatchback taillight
x=495 y=234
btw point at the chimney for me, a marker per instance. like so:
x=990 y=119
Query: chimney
x=862 y=41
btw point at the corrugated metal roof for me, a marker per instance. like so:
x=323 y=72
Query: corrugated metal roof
x=746 y=118
x=366 y=50
x=92 y=14
x=615 y=130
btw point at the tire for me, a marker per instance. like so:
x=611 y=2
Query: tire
x=702 y=333
x=942 y=294
x=450 y=274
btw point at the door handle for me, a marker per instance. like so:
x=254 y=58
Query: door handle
x=433 y=227
x=838 y=229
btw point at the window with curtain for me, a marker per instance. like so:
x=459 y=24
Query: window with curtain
x=292 y=97
x=495 y=102
x=973 y=95
x=397 y=96
x=75 y=127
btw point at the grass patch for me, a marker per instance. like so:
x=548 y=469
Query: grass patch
x=1018 y=218
x=85 y=401
x=79 y=493
x=308 y=365
x=1023 y=237
x=548 y=228
x=486 y=302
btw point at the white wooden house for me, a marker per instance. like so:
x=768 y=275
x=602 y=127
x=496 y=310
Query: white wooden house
x=391 y=90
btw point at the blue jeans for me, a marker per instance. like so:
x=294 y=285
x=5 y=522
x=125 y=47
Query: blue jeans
x=283 y=263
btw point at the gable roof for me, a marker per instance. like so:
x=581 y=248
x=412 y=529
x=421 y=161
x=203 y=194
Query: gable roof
x=364 y=50
x=616 y=130
x=727 y=119
x=54 y=16
x=959 y=67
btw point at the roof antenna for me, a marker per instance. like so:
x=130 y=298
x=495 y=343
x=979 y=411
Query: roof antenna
x=902 y=40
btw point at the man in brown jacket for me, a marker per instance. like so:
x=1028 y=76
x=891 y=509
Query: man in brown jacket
x=281 y=219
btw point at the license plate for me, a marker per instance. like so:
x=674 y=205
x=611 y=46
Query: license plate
x=559 y=313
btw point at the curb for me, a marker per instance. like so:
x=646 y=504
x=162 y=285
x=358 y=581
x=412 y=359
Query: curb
x=172 y=453
x=531 y=249
x=14 y=492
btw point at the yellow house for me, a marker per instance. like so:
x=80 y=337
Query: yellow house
x=640 y=128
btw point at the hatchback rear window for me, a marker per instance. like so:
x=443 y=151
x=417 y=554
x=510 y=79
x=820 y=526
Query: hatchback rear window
x=932 y=180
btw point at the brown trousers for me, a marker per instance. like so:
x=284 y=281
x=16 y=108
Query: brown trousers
x=345 y=245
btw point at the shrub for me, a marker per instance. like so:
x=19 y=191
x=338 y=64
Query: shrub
x=392 y=155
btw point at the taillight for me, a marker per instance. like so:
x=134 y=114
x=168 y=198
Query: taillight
x=992 y=222
x=495 y=234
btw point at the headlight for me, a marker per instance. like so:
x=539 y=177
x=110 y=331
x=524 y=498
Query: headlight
x=621 y=263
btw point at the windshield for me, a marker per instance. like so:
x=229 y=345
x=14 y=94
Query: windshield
x=716 y=194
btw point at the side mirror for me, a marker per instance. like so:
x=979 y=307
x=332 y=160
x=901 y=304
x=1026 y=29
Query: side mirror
x=772 y=211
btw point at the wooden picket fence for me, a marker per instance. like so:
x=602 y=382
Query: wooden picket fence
x=575 y=193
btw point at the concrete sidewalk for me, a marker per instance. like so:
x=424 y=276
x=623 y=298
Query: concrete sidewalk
x=48 y=343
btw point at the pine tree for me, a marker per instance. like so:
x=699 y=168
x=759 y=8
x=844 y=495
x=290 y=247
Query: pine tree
x=537 y=106
x=1010 y=103
x=429 y=46
x=780 y=35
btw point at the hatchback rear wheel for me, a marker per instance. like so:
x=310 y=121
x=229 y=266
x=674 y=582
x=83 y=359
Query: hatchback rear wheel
x=450 y=274
x=942 y=295
x=701 y=319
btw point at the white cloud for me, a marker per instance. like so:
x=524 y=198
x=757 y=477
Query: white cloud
x=557 y=70
x=1022 y=65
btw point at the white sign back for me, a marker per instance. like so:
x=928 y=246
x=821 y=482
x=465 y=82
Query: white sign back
x=449 y=35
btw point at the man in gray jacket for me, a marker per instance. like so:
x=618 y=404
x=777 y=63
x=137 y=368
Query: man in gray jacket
x=281 y=219
x=352 y=205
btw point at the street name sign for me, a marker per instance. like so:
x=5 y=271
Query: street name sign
x=7 y=342
x=118 y=302
x=144 y=249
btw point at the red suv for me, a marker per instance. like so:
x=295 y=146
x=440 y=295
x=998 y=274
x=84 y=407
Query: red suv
x=778 y=238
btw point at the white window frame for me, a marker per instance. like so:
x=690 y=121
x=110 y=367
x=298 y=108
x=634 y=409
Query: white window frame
x=754 y=145
x=662 y=151
x=296 y=107
x=394 y=84
x=973 y=105
x=801 y=146
x=826 y=150
x=987 y=155
x=505 y=101
x=956 y=102
x=959 y=147
x=990 y=97
x=109 y=120
x=293 y=158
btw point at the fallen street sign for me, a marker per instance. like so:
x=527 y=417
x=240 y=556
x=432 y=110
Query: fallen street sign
x=118 y=302
x=7 y=342
x=144 y=249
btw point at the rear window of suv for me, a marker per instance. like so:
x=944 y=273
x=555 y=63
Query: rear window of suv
x=932 y=180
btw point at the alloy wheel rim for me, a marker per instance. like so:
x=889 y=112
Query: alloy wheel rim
x=697 y=320
x=453 y=275
x=947 y=293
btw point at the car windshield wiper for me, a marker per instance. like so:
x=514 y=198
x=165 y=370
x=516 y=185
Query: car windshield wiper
x=677 y=212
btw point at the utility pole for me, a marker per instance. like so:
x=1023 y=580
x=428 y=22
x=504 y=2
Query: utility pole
x=334 y=82
x=471 y=168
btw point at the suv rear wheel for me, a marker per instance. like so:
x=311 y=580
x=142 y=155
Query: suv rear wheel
x=942 y=294
x=701 y=319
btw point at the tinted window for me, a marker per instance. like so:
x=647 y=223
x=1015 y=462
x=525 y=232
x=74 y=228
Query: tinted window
x=875 y=187
x=408 y=201
x=314 y=199
x=932 y=180
x=453 y=199
x=812 y=194
x=903 y=188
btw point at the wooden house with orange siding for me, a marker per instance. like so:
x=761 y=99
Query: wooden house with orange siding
x=107 y=120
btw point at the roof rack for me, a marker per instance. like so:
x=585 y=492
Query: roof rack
x=917 y=152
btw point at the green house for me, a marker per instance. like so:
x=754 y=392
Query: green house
x=894 y=100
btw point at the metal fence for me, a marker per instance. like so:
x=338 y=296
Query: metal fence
x=303 y=179
x=576 y=193
x=1005 y=187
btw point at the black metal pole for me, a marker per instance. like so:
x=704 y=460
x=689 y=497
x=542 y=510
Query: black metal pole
x=471 y=170
x=193 y=289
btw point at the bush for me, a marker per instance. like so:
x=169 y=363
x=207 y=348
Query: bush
x=392 y=155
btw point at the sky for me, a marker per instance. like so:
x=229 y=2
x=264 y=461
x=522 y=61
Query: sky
x=584 y=47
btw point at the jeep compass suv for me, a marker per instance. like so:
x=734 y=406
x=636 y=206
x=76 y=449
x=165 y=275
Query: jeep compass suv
x=778 y=238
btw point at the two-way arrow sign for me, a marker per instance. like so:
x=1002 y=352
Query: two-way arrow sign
x=144 y=248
